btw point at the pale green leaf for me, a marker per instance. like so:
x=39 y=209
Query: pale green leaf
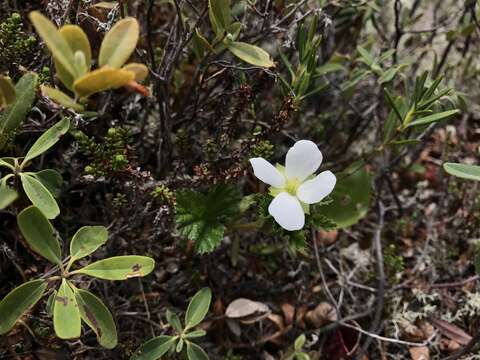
x=119 y=267
x=154 y=348
x=86 y=240
x=250 y=54
x=433 y=118
x=195 y=352
x=61 y=98
x=464 y=171
x=39 y=234
x=66 y=316
x=16 y=113
x=40 y=196
x=55 y=42
x=18 y=301
x=51 y=179
x=7 y=196
x=119 y=43
x=47 y=140
x=198 y=308
x=97 y=316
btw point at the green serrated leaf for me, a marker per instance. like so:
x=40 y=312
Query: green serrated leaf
x=18 y=301
x=39 y=234
x=202 y=217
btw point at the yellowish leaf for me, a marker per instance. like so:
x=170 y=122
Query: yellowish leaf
x=102 y=79
x=119 y=43
x=140 y=70
x=55 y=42
x=77 y=41
x=7 y=91
x=250 y=54
x=61 y=98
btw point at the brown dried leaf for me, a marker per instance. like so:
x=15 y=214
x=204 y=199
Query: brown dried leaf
x=451 y=331
x=419 y=353
x=321 y=315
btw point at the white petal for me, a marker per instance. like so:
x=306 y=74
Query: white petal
x=267 y=172
x=303 y=159
x=313 y=191
x=287 y=212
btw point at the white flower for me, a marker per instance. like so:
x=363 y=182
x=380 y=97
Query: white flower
x=294 y=186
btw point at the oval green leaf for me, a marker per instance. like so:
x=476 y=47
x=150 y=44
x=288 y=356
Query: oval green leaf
x=40 y=196
x=51 y=179
x=7 y=196
x=101 y=80
x=55 y=42
x=18 y=301
x=61 y=98
x=119 y=267
x=251 y=54
x=86 y=240
x=47 y=140
x=119 y=43
x=471 y=172
x=140 y=70
x=39 y=234
x=97 y=316
x=198 y=308
x=16 y=113
x=66 y=316
x=195 y=352
x=154 y=348
x=78 y=41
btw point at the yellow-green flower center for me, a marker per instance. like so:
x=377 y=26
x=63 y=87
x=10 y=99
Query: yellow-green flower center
x=292 y=186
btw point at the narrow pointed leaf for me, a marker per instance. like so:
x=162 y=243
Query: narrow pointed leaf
x=198 y=308
x=119 y=267
x=195 y=352
x=464 y=171
x=47 y=140
x=86 y=240
x=66 y=316
x=61 y=98
x=18 y=301
x=250 y=54
x=40 y=196
x=174 y=321
x=101 y=80
x=97 y=316
x=55 y=42
x=16 y=113
x=433 y=118
x=39 y=234
x=119 y=43
x=154 y=348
